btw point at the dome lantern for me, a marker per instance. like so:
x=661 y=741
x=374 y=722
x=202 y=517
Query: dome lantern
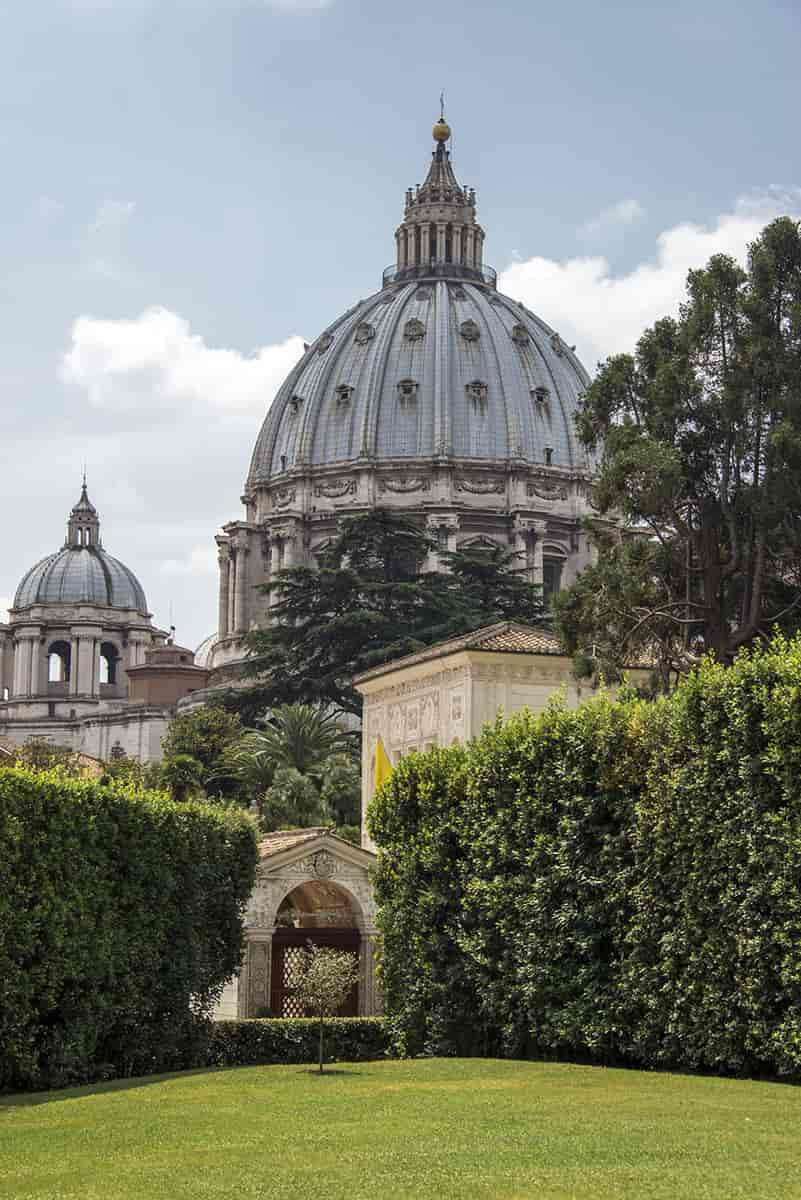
x=83 y=526
x=439 y=234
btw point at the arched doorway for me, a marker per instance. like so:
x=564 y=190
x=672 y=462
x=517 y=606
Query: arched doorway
x=321 y=913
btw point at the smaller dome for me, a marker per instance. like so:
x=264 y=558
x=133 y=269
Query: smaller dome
x=82 y=572
x=81 y=575
x=203 y=652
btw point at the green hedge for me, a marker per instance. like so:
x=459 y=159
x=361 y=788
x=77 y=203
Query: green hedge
x=120 y=920
x=620 y=882
x=284 y=1040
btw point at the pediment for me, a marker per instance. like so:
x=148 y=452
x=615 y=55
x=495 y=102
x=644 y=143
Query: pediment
x=323 y=855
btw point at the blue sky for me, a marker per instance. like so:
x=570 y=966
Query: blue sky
x=191 y=187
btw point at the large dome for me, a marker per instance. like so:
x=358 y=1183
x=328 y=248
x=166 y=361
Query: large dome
x=437 y=397
x=82 y=572
x=426 y=369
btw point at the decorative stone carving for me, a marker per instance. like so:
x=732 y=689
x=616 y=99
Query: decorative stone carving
x=295 y=403
x=404 y=483
x=520 y=335
x=325 y=343
x=422 y=294
x=470 y=331
x=282 y=497
x=547 y=491
x=324 y=864
x=458 y=292
x=429 y=715
x=396 y=724
x=343 y=393
x=407 y=390
x=333 y=489
x=365 y=332
x=480 y=487
x=540 y=394
x=414 y=330
x=477 y=392
x=557 y=345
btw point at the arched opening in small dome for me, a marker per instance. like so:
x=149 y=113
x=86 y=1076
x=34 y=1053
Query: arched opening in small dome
x=109 y=660
x=59 y=663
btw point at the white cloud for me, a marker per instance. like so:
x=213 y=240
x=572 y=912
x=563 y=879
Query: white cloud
x=5 y=605
x=154 y=362
x=622 y=213
x=603 y=313
x=112 y=214
x=201 y=560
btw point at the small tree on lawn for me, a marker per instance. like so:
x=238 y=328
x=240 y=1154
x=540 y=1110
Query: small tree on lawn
x=326 y=980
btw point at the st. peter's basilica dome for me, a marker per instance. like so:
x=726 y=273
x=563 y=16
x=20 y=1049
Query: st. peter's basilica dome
x=438 y=396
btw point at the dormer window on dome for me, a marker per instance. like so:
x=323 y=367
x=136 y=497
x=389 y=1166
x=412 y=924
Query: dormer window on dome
x=477 y=392
x=407 y=390
x=343 y=393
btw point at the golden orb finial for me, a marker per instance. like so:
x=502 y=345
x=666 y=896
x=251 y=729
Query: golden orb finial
x=441 y=131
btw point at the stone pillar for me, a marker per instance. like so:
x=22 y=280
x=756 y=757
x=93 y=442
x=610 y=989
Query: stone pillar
x=451 y=523
x=254 y=984
x=22 y=665
x=241 y=615
x=470 y=250
x=425 y=243
x=433 y=524
x=73 y=688
x=456 y=244
x=36 y=666
x=85 y=664
x=540 y=528
x=440 y=241
x=224 y=565
x=400 y=241
x=479 y=249
x=232 y=568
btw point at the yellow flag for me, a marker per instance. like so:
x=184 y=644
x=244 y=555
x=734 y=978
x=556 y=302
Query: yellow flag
x=383 y=767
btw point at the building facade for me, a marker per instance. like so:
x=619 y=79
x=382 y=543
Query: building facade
x=437 y=396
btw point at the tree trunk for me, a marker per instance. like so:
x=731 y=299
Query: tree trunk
x=321 y=1045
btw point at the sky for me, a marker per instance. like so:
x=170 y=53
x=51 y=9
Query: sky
x=192 y=188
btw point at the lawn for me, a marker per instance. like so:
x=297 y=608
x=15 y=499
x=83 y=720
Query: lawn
x=437 y=1128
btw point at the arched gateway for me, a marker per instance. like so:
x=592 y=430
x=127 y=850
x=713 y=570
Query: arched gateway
x=311 y=886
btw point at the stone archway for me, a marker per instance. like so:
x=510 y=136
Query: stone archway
x=317 y=912
x=311 y=886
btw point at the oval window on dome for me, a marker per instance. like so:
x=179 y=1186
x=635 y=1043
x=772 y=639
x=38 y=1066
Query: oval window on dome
x=470 y=331
x=407 y=390
x=477 y=391
x=343 y=393
x=520 y=335
x=414 y=330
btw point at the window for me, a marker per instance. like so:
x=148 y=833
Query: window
x=109 y=658
x=343 y=393
x=549 y=456
x=551 y=577
x=58 y=662
x=407 y=390
x=540 y=394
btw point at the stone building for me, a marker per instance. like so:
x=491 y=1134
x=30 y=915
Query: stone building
x=437 y=396
x=445 y=695
x=81 y=664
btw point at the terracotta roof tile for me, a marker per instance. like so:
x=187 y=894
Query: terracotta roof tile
x=506 y=637
x=283 y=839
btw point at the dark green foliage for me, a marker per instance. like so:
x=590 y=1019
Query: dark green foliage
x=620 y=882
x=194 y=754
x=120 y=920
x=701 y=437
x=283 y=1040
x=372 y=600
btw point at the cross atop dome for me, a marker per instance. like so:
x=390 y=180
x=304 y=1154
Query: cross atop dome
x=439 y=234
x=83 y=526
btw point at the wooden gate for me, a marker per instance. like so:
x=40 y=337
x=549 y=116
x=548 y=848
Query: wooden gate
x=289 y=945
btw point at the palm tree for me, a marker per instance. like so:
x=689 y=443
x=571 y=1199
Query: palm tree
x=298 y=736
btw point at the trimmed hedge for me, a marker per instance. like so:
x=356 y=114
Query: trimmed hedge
x=620 y=882
x=120 y=921
x=285 y=1040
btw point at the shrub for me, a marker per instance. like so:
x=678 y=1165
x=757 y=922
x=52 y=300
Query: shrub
x=120 y=920
x=620 y=882
x=295 y=1040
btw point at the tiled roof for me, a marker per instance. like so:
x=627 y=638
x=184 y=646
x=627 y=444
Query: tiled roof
x=284 y=839
x=506 y=637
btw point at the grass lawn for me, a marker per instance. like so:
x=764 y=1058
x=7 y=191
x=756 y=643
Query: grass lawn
x=438 y=1128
